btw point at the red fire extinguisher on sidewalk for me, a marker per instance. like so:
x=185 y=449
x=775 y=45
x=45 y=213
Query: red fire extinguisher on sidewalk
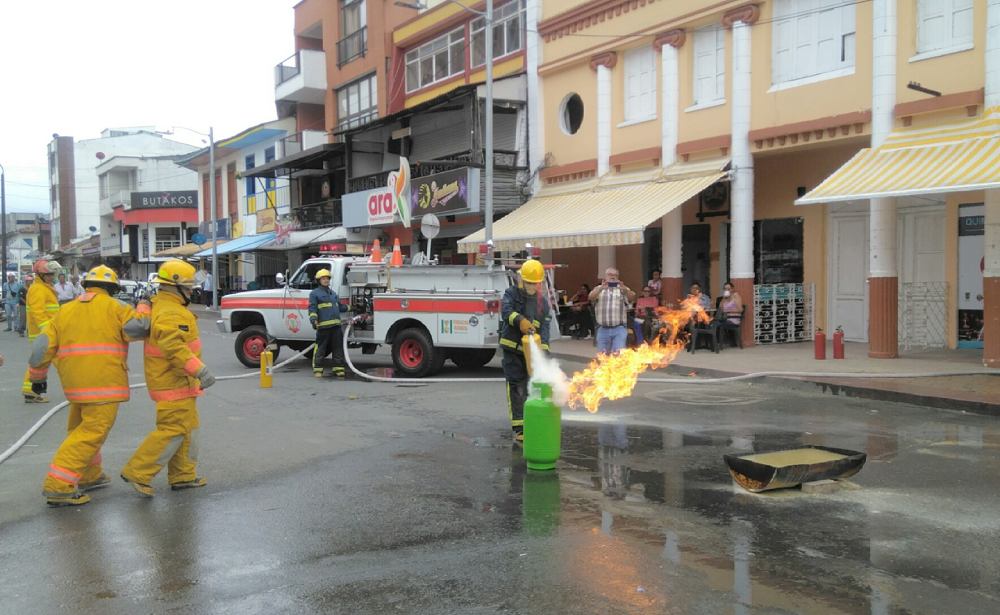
x=838 y=343
x=819 y=343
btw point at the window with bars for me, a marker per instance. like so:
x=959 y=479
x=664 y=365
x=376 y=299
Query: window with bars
x=508 y=32
x=943 y=24
x=709 y=72
x=436 y=60
x=812 y=38
x=357 y=103
x=640 y=84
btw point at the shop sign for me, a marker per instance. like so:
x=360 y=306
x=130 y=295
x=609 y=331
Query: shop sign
x=266 y=219
x=176 y=198
x=385 y=204
x=441 y=193
x=283 y=230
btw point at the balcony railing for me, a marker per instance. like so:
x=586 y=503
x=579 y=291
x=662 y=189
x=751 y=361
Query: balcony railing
x=166 y=245
x=354 y=45
x=319 y=215
x=272 y=198
x=287 y=69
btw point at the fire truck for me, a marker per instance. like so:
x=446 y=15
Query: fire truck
x=427 y=314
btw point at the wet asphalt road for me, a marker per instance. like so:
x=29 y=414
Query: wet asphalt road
x=320 y=503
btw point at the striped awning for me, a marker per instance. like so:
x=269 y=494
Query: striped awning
x=954 y=156
x=611 y=211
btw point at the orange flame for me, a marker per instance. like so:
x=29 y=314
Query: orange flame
x=614 y=376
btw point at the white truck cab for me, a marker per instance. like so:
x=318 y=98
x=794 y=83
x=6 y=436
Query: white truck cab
x=427 y=313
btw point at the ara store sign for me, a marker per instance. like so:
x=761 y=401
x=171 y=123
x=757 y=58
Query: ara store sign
x=385 y=204
x=445 y=193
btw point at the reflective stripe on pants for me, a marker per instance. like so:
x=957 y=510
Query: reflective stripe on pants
x=174 y=443
x=329 y=340
x=88 y=426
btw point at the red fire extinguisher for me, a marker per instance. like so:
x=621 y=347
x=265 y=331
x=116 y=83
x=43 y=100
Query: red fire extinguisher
x=838 y=343
x=819 y=343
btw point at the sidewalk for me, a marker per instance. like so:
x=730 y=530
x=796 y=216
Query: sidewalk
x=980 y=393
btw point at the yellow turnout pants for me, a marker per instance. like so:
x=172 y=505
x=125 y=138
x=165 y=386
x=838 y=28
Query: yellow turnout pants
x=78 y=460
x=174 y=443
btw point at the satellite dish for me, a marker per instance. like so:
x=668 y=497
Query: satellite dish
x=93 y=229
x=430 y=226
x=100 y=155
x=198 y=239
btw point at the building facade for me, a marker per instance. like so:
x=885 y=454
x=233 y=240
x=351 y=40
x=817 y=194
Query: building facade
x=73 y=188
x=713 y=119
x=28 y=239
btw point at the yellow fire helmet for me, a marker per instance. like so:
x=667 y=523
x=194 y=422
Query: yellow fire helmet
x=102 y=276
x=178 y=273
x=532 y=271
x=323 y=273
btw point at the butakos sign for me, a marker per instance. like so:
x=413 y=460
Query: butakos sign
x=177 y=198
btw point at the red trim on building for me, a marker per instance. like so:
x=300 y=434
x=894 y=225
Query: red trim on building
x=160 y=215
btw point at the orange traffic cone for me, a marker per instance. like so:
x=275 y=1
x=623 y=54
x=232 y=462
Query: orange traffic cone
x=397 y=256
x=376 y=252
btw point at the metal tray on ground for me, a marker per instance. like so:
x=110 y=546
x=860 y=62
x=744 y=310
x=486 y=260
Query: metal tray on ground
x=788 y=468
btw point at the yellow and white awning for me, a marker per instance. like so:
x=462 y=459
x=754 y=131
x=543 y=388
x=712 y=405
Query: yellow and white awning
x=611 y=211
x=953 y=156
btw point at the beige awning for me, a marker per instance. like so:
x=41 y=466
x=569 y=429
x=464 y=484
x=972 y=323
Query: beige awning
x=612 y=211
x=187 y=250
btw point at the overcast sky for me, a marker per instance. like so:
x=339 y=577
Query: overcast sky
x=76 y=67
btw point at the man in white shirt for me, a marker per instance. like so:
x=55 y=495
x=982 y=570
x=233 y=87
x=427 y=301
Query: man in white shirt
x=65 y=292
x=207 y=289
x=77 y=288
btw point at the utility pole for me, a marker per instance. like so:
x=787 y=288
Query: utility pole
x=488 y=213
x=3 y=218
x=215 y=225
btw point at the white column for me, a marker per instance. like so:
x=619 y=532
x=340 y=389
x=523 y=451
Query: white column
x=536 y=132
x=607 y=256
x=992 y=205
x=742 y=160
x=673 y=221
x=883 y=294
x=603 y=119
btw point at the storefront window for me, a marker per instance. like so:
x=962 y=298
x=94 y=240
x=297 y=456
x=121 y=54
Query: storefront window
x=777 y=251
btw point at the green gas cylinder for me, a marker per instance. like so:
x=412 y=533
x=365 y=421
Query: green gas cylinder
x=542 y=428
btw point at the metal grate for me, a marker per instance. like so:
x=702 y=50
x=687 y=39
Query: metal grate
x=783 y=313
x=923 y=315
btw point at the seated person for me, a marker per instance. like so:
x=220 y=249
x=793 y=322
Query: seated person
x=645 y=313
x=581 y=313
x=703 y=299
x=730 y=308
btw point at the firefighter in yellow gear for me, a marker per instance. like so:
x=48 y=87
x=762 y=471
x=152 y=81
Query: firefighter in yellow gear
x=88 y=342
x=175 y=377
x=41 y=306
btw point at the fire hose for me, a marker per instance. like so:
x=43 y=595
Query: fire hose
x=45 y=417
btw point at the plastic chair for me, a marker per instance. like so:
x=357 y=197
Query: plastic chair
x=707 y=333
x=736 y=331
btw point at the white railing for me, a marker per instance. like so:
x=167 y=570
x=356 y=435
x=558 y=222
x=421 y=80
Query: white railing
x=923 y=315
x=166 y=245
x=272 y=198
x=783 y=313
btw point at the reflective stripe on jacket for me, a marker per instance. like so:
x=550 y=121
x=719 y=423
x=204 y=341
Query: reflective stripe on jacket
x=40 y=306
x=518 y=305
x=324 y=307
x=172 y=354
x=88 y=342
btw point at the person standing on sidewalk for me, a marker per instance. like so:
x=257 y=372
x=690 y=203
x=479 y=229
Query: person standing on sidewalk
x=207 y=289
x=88 y=342
x=22 y=306
x=611 y=301
x=524 y=311
x=41 y=307
x=10 y=288
x=324 y=315
x=175 y=377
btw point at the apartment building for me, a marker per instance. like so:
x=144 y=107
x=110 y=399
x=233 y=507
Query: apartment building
x=694 y=137
x=73 y=188
x=28 y=239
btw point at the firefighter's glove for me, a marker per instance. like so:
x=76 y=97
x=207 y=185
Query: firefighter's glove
x=40 y=388
x=205 y=377
x=526 y=326
x=313 y=323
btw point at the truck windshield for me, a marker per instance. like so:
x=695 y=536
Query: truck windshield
x=305 y=278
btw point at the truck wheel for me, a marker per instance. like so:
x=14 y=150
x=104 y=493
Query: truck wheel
x=472 y=358
x=250 y=343
x=414 y=355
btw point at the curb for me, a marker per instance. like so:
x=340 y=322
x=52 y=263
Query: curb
x=834 y=387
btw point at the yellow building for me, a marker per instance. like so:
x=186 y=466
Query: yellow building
x=679 y=135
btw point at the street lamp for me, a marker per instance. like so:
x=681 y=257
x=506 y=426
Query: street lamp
x=211 y=190
x=488 y=16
